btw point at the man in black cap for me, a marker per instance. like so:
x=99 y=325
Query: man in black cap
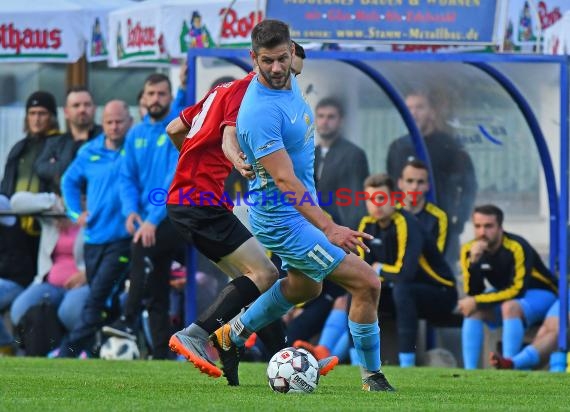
x=19 y=243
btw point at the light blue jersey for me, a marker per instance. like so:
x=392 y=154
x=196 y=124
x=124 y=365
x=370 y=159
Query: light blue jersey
x=270 y=120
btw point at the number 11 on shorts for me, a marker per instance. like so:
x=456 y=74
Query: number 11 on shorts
x=319 y=255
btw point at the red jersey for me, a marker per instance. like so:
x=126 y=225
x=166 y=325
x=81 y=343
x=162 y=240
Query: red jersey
x=202 y=167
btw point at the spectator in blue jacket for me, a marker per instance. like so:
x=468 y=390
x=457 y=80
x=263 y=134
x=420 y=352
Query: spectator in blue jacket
x=146 y=173
x=107 y=242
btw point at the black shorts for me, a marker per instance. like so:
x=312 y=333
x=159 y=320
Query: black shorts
x=214 y=230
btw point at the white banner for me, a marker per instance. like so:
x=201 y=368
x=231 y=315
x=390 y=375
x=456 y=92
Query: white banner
x=174 y=26
x=95 y=27
x=209 y=24
x=527 y=19
x=51 y=33
x=134 y=33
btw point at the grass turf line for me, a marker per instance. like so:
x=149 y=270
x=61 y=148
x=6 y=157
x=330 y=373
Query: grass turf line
x=28 y=384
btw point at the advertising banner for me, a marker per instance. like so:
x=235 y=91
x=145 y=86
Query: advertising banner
x=165 y=30
x=52 y=33
x=466 y=22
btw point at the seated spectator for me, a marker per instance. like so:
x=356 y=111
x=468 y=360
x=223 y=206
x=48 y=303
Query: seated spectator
x=407 y=257
x=521 y=289
x=543 y=345
x=414 y=182
x=61 y=271
x=19 y=242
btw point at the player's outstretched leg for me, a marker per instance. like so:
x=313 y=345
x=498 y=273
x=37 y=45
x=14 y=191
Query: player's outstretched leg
x=318 y=351
x=327 y=364
x=193 y=348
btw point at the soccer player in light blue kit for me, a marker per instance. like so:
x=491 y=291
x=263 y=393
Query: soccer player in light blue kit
x=276 y=132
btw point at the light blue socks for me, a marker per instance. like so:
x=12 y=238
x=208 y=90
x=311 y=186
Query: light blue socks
x=472 y=340
x=407 y=360
x=528 y=358
x=366 y=337
x=335 y=326
x=269 y=307
x=513 y=335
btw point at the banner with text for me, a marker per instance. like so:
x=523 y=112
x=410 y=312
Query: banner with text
x=389 y=21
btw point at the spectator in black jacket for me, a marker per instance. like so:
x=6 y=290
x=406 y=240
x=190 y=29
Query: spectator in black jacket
x=19 y=242
x=59 y=153
x=453 y=172
x=339 y=164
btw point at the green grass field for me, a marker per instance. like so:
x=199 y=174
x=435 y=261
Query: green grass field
x=28 y=384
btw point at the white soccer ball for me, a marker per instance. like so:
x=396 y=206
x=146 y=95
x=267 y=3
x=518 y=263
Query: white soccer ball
x=293 y=370
x=116 y=348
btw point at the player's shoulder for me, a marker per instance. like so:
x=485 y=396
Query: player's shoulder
x=434 y=210
x=366 y=223
x=235 y=86
x=511 y=241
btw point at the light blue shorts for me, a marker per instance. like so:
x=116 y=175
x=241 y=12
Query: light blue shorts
x=535 y=304
x=554 y=311
x=299 y=244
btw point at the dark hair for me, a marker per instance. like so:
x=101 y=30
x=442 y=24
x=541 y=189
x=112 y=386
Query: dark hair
x=268 y=34
x=378 y=180
x=330 y=101
x=220 y=80
x=491 y=210
x=78 y=89
x=416 y=164
x=158 y=78
x=299 y=50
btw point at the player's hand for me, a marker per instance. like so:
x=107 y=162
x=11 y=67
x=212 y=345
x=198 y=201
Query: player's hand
x=347 y=239
x=477 y=249
x=147 y=234
x=75 y=280
x=132 y=220
x=82 y=219
x=244 y=169
x=467 y=306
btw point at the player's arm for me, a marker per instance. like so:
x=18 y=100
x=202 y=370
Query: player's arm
x=278 y=164
x=234 y=154
x=409 y=242
x=177 y=132
x=521 y=265
x=71 y=183
x=473 y=279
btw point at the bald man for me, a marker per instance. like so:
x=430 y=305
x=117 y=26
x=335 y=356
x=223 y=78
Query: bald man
x=107 y=242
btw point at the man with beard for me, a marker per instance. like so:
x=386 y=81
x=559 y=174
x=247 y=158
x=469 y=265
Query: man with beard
x=147 y=170
x=339 y=164
x=520 y=292
x=79 y=112
x=453 y=172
